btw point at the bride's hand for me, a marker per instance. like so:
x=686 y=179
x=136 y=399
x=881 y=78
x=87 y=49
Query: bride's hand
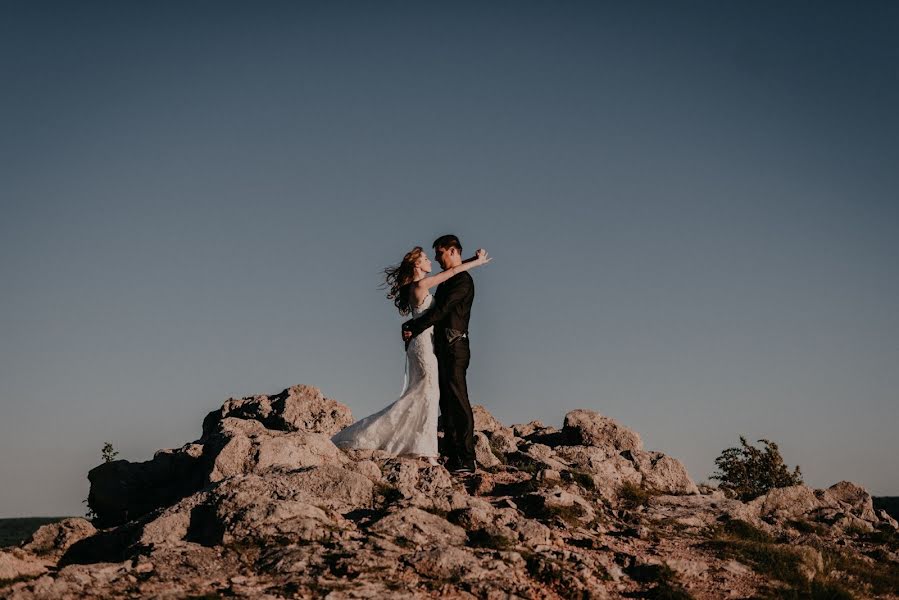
x=482 y=257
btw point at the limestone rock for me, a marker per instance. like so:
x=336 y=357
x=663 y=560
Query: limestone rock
x=15 y=564
x=526 y=429
x=698 y=511
x=810 y=562
x=854 y=495
x=121 y=490
x=503 y=441
x=297 y=408
x=483 y=420
x=265 y=506
x=662 y=473
x=369 y=468
x=169 y=526
x=446 y=562
x=55 y=538
x=241 y=446
x=786 y=503
x=561 y=504
x=420 y=528
x=609 y=473
x=853 y=499
x=589 y=428
x=483 y=453
x=413 y=478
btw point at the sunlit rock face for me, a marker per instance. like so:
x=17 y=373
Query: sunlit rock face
x=263 y=505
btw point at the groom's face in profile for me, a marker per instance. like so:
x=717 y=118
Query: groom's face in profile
x=445 y=256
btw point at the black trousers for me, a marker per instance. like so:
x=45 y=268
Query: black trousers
x=458 y=421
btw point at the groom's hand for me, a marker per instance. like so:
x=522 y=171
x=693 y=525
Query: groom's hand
x=407 y=335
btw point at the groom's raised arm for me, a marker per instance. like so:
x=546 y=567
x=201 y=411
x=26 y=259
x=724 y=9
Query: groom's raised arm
x=462 y=287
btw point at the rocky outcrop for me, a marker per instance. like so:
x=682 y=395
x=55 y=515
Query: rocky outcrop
x=589 y=428
x=245 y=435
x=54 y=539
x=661 y=473
x=298 y=408
x=263 y=505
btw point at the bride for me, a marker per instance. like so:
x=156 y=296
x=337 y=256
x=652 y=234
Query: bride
x=409 y=425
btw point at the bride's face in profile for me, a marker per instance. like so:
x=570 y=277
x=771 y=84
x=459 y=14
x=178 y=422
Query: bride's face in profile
x=424 y=263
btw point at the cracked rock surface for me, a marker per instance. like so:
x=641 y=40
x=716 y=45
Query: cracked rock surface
x=263 y=505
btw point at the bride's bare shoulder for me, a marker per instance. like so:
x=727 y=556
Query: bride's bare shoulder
x=419 y=292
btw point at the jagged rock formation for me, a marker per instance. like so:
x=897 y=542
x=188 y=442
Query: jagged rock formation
x=263 y=505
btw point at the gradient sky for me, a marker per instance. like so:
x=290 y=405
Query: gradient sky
x=693 y=208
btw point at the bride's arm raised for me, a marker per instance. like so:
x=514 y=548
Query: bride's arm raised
x=481 y=258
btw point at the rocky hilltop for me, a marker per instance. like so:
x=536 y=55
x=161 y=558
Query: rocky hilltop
x=263 y=505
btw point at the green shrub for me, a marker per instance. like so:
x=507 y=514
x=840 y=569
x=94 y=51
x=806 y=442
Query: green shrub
x=108 y=453
x=748 y=472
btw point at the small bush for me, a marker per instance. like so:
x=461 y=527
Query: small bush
x=742 y=530
x=748 y=472
x=108 y=453
x=632 y=495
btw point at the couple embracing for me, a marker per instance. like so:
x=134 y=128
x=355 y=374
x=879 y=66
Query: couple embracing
x=437 y=355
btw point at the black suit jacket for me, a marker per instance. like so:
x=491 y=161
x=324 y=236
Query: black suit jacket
x=451 y=308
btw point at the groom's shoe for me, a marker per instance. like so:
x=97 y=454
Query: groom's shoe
x=466 y=467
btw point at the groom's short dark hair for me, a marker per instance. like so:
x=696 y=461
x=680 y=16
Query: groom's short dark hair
x=447 y=241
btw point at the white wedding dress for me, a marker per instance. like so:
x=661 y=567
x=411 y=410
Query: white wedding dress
x=409 y=425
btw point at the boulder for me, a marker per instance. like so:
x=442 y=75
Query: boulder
x=483 y=420
x=809 y=562
x=526 y=429
x=414 y=479
x=54 y=539
x=416 y=526
x=483 y=452
x=608 y=473
x=121 y=490
x=447 y=563
x=785 y=503
x=852 y=498
x=558 y=504
x=698 y=511
x=297 y=408
x=18 y=564
x=503 y=441
x=290 y=430
x=661 y=473
x=241 y=446
x=589 y=428
x=178 y=523
x=849 y=493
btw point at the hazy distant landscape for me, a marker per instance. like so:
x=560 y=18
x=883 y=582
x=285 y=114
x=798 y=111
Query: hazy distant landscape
x=889 y=504
x=13 y=531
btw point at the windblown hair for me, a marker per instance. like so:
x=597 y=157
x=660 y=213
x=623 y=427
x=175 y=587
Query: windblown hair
x=397 y=280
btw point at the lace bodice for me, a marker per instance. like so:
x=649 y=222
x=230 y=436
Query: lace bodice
x=423 y=307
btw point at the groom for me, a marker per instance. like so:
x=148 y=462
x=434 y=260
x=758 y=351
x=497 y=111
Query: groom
x=449 y=315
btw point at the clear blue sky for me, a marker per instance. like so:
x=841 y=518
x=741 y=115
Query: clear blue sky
x=694 y=209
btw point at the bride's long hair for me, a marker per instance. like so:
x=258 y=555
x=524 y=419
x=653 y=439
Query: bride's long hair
x=397 y=279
